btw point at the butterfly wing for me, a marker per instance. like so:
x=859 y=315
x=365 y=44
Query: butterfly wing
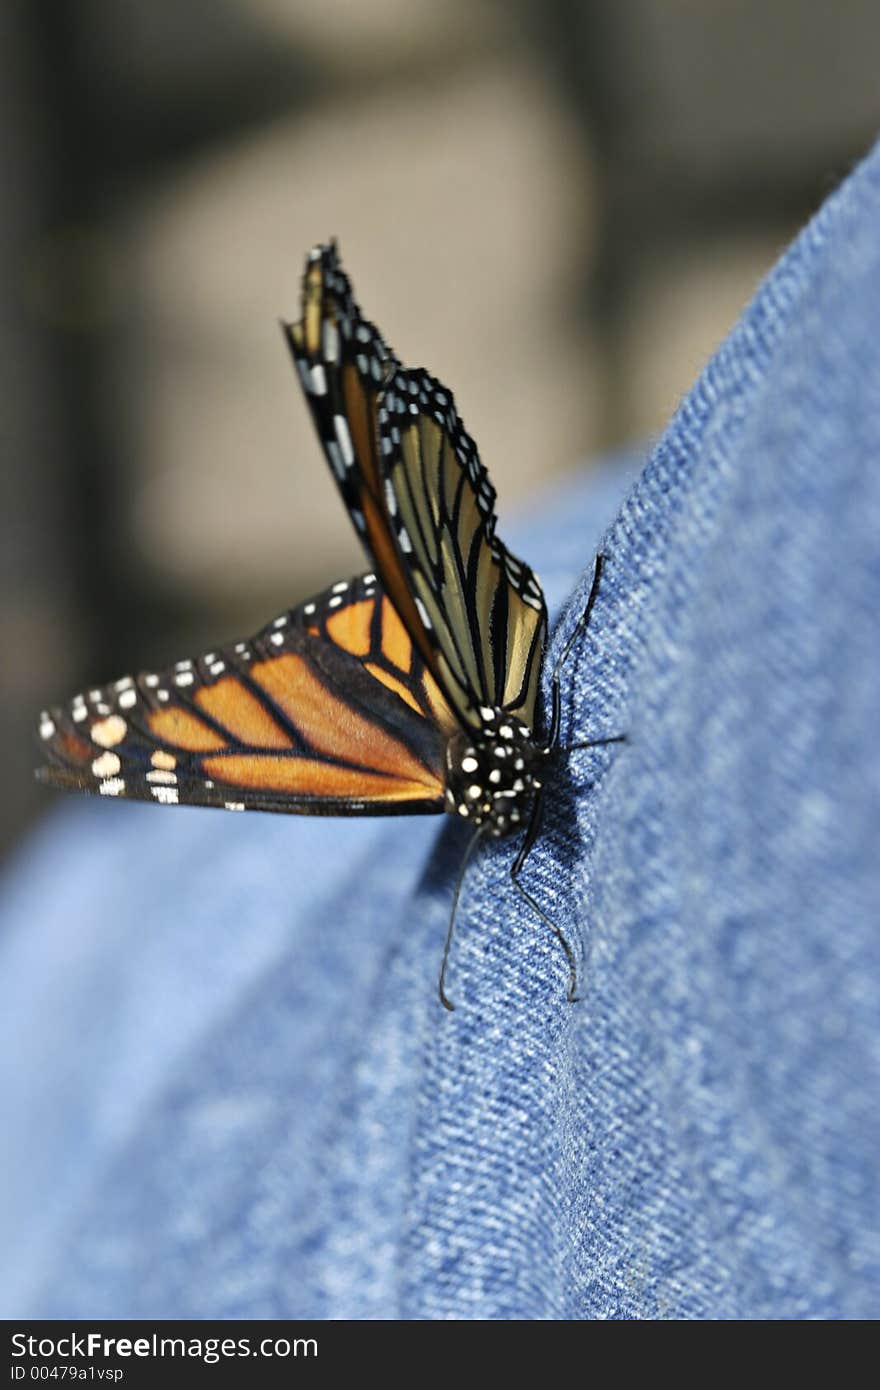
x=482 y=609
x=328 y=711
x=422 y=502
x=343 y=364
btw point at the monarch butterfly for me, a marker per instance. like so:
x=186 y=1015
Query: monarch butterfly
x=408 y=689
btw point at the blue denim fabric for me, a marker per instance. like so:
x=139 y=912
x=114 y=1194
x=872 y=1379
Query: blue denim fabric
x=229 y=1088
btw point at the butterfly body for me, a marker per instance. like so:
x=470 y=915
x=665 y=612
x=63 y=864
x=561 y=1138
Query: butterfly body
x=491 y=776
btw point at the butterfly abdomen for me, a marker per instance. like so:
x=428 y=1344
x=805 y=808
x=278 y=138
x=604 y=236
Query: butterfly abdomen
x=491 y=776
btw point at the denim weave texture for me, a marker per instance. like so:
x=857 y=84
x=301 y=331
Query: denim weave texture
x=228 y=1087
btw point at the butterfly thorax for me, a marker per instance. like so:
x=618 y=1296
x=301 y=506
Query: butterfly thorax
x=491 y=774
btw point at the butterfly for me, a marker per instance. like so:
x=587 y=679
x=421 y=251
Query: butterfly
x=408 y=689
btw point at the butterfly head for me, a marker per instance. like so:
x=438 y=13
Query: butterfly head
x=491 y=774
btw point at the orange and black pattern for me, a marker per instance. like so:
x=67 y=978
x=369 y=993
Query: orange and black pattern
x=409 y=689
x=329 y=710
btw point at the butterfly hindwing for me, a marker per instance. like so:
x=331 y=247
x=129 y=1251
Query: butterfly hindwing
x=328 y=710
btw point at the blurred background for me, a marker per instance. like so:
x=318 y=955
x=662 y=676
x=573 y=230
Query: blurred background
x=558 y=206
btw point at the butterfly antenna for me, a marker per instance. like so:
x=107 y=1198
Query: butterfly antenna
x=441 y=984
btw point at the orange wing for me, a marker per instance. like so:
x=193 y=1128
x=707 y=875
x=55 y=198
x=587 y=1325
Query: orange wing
x=328 y=711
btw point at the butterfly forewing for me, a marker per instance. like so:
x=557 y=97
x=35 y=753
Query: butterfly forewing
x=343 y=364
x=329 y=710
x=422 y=502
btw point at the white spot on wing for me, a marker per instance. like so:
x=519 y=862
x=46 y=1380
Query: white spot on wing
x=335 y=457
x=331 y=341
x=108 y=732
x=340 y=425
x=107 y=765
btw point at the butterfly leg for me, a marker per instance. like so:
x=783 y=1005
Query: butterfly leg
x=515 y=871
x=441 y=983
